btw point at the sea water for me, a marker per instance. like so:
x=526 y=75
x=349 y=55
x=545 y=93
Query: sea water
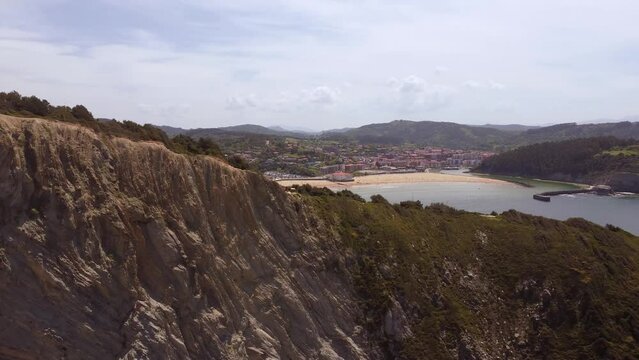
x=619 y=210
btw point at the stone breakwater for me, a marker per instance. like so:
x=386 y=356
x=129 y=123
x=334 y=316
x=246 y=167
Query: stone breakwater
x=597 y=189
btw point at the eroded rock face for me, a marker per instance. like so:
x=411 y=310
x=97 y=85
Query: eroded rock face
x=622 y=181
x=116 y=249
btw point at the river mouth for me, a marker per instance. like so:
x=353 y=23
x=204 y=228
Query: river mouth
x=620 y=209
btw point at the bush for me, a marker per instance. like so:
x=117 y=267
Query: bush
x=379 y=199
x=409 y=204
x=34 y=105
x=14 y=103
x=307 y=189
x=239 y=162
x=442 y=208
x=202 y=146
x=81 y=112
x=351 y=195
x=612 y=227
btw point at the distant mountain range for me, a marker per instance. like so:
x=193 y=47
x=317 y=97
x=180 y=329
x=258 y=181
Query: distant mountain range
x=233 y=130
x=433 y=133
x=621 y=130
x=295 y=129
x=515 y=128
x=425 y=133
x=488 y=136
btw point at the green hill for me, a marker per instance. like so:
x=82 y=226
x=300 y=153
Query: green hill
x=427 y=133
x=601 y=160
x=233 y=131
x=479 y=137
x=621 y=130
x=436 y=281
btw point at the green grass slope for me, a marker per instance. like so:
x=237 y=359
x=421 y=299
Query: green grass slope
x=437 y=283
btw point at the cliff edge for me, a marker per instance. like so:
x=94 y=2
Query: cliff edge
x=117 y=249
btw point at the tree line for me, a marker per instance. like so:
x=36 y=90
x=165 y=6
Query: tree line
x=576 y=157
x=13 y=103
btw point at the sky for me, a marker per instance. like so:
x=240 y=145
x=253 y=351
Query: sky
x=326 y=64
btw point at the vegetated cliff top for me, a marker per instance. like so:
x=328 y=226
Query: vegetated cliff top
x=440 y=283
x=14 y=104
x=111 y=248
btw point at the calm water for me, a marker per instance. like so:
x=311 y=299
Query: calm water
x=620 y=210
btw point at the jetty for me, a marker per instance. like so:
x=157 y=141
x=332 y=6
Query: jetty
x=541 y=197
x=597 y=189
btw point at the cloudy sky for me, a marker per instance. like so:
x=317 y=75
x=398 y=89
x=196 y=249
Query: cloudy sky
x=326 y=64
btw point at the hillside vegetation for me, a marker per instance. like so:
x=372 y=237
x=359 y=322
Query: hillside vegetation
x=426 y=133
x=605 y=160
x=112 y=248
x=480 y=137
x=13 y=103
x=438 y=283
x=621 y=130
x=233 y=131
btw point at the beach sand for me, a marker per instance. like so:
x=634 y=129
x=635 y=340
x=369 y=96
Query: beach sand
x=392 y=179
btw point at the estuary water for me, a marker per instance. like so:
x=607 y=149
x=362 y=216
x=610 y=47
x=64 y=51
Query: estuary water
x=618 y=210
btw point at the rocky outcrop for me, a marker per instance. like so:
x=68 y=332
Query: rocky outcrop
x=117 y=249
x=621 y=181
x=113 y=249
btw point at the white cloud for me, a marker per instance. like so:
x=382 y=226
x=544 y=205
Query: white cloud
x=413 y=93
x=323 y=95
x=496 y=86
x=441 y=70
x=472 y=84
x=166 y=111
x=13 y=34
x=492 y=85
x=286 y=101
x=240 y=102
x=407 y=85
x=288 y=60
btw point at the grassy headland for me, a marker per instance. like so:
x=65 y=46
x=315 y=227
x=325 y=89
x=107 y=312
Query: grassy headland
x=512 y=283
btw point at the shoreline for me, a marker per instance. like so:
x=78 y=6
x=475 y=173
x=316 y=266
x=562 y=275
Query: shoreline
x=399 y=178
x=525 y=181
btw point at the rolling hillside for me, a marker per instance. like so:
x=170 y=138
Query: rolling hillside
x=600 y=160
x=621 y=130
x=238 y=130
x=433 y=133
x=427 y=133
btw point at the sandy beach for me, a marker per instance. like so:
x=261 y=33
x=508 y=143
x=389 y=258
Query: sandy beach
x=392 y=179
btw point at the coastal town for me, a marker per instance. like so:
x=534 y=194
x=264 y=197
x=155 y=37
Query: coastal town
x=340 y=161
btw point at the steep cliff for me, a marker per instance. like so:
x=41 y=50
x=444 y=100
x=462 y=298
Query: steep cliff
x=112 y=249
x=117 y=249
